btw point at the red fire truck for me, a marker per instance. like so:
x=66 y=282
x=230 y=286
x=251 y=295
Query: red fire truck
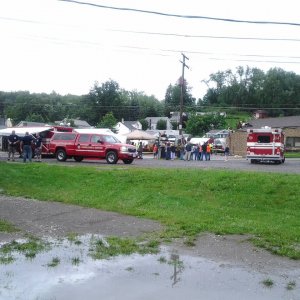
x=265 y=144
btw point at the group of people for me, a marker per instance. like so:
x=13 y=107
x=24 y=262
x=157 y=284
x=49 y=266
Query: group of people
x=24 y=145
x=185 y=151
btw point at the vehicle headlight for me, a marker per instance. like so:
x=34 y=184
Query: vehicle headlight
x=124 y=149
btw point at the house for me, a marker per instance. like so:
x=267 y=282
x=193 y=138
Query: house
x=77 y=123
x=175 y=116
x=260 y=114
x=126 y=127
x=152 y=121
x=290 y=125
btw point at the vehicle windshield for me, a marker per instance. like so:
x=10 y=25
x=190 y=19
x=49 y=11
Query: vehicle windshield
x=110 y=139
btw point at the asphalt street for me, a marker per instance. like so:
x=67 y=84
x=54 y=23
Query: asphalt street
x=217 y=162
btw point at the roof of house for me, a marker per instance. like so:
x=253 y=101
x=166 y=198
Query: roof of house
x=81 y=123
x=130 y=124
x=77 y=123
x=281 y=122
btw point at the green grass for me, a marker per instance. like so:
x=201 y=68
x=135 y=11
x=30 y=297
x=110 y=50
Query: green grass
x=113 y=246
x=7 y=227
x=54 y=262
x=188 y=202
x=268 y=283
x=29 y=247
x=292 y=154
x=232 y=119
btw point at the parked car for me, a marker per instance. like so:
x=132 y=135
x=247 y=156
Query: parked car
x=99 y=146
x=219 y=145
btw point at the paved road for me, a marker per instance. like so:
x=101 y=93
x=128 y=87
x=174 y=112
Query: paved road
x=217 y=162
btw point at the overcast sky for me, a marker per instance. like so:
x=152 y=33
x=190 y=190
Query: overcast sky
x=50 y=45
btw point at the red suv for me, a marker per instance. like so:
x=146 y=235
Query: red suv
x=79 y=146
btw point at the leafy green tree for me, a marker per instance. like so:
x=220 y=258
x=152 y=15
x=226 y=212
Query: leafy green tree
x=172 y=98
x=161 y=124
x=149 y=106
x=277 y=91
x=174 y=125
x=108 y=121
x=144 y=123
x=34 y=117
x=101 y=100
x=199 y=125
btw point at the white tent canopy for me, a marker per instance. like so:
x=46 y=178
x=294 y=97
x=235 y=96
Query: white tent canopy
x=20 y=131
x=139 y=135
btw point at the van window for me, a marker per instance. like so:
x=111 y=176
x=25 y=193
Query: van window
x=95 y=138
x=110 y=139
x=64 y=136
x=84 y=138
x=263 y=139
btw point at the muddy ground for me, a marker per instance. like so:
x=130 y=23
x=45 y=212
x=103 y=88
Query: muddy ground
x=54 y=219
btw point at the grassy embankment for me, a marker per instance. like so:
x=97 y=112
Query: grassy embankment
x=188 y=202
x=292 y=154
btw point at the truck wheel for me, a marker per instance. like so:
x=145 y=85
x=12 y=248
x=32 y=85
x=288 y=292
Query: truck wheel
x=61 y=155
x=127 y=161
x=111 y=157
x=78 y=158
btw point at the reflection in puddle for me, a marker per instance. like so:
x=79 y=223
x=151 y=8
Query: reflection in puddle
x=178 y=268
x=66 y=270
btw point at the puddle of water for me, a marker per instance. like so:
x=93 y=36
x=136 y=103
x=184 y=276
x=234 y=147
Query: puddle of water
x=166 y=275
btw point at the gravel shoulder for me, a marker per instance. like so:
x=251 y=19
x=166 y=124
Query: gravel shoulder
x=52 y=219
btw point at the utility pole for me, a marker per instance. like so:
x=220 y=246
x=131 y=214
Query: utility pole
x=181 y=92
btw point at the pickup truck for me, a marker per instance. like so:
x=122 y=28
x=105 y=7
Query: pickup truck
x=79 y=146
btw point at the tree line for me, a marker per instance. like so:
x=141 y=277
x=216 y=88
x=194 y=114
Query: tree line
x=276 y=91
x=244 y=89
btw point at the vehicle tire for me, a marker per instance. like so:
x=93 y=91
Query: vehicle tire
x=127 y=161
x=78 y=158
x=111 y=157
x=61 y=155
x=252 y=161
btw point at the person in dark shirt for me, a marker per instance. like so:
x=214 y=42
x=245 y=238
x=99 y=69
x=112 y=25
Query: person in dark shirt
x=26 y=146
x=38 y=148
x=13 y=141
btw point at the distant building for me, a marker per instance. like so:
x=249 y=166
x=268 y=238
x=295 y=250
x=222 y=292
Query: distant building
x=175 y=116
x=152 y=122
x=77 y=123
x=126 y=127
x=260 y=114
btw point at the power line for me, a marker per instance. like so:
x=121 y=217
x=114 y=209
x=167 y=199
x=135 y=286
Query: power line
x=208 y=36
x=155 y=51
x=182 y=16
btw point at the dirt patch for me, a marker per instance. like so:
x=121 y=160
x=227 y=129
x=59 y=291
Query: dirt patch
x=57 y=220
